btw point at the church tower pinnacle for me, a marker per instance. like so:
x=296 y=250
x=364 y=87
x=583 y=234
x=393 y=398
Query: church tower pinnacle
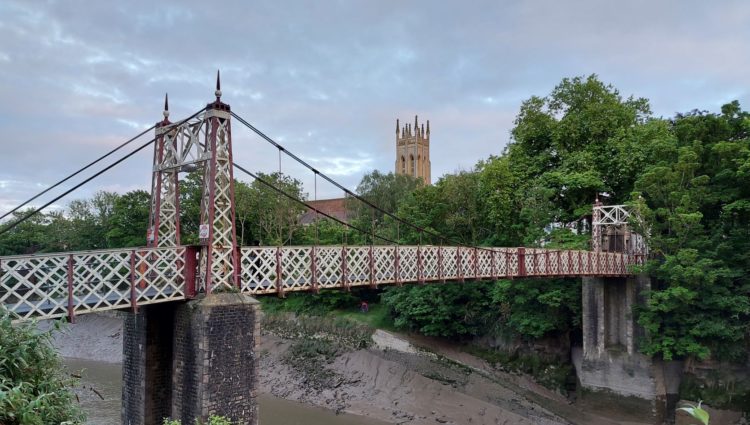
x=413 y=150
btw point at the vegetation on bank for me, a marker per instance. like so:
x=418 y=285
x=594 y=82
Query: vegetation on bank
x=688 y=176
x=35 y=388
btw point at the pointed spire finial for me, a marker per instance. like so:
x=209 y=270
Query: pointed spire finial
x=428 y=127
x=166 y=105
x=218 y=86
x=397 y=123
x=416 y=125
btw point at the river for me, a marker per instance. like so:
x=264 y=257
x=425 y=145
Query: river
x=101 y=393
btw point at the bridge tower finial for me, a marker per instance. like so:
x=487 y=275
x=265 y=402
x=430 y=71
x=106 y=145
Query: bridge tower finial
x=166 y=106
x=218 y=86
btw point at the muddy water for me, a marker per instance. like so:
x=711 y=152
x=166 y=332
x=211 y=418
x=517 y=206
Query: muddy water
x=101 y=390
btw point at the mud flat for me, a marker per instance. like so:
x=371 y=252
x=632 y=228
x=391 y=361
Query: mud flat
x=398 y=379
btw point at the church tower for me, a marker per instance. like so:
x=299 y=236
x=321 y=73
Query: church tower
x=413 y=150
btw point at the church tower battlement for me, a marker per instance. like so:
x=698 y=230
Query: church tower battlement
x=413 y=150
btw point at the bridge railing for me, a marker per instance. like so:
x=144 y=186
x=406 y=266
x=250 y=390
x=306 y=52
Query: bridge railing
x=67 y=284
x=267 y=270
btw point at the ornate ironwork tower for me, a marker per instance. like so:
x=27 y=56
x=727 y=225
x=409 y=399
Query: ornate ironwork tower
x=219 y=262
x=203 y=140
x=164 y=217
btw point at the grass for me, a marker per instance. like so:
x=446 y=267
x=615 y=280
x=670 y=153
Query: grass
x=376 y=318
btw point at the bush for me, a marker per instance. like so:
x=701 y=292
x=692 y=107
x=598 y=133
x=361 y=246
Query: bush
x=34 y=388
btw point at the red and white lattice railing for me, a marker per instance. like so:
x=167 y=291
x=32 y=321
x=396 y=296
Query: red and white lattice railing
x=270 y=270
x=70 y=284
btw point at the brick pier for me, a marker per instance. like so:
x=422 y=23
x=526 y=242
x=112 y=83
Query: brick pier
x=192 y=360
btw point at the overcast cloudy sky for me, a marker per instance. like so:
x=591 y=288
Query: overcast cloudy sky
x=329 y=78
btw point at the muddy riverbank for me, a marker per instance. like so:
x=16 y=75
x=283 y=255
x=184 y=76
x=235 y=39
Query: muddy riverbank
x=396 y=380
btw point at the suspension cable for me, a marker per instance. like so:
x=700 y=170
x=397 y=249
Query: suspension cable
x=347 y=191
x=305 y=204
x=38 y=210
x=80 y=170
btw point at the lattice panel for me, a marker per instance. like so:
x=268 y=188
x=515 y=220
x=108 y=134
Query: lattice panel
x=538 y=262
x=296 y=267
x=466 y=261
x=450 y=262
x=511 y=256
x=159 y=275
x=485 y=261
x=501 y=263
x=407 y=263
x=258 y=270
x=430 y=263
x=328 y=262
x=358 y=265
x=385 y=260
x=34 y=286
x=554 y=262
x=101 y=281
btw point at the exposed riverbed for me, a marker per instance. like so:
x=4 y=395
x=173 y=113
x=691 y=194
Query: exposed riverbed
x=395 y=381
x=101 y=387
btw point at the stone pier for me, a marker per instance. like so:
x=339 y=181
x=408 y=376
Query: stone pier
x=191 y=360
x=609 y=363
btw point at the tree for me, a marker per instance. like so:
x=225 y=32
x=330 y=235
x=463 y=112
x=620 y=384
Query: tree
x=385 y=191
x=34 y=388
x=273 y=217
x=697 y=199
x=128 y=220
x=453 y=310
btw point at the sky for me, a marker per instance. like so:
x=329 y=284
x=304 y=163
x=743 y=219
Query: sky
x=328 y=79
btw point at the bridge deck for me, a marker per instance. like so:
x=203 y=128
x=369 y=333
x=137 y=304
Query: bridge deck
x=70 y=284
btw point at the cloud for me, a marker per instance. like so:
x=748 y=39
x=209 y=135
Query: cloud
x=77 y=78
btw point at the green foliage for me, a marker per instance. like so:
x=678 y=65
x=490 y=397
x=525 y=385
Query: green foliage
x=34 y=388
x=311 y=304
x=386 y=191
x=452 y=310
x=696 y=412
x=536 y=307
x=696 y=196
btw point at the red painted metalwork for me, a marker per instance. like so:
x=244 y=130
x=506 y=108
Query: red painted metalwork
x=441 y=273
x=279 y=285
x=494 y=266
x=314 y=271
x=476 y=263
x=371 y=259
x=191 y=269
x=397 y=272
x=521 y=261
x=420 y=275
x=459 y=261
x=507 y=263
x=133 y=294
x=71 y=306
x=344 y=271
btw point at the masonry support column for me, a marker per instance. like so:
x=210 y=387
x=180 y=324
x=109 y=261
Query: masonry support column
x=215 y=358
x=147 y=365
x=609 y=365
